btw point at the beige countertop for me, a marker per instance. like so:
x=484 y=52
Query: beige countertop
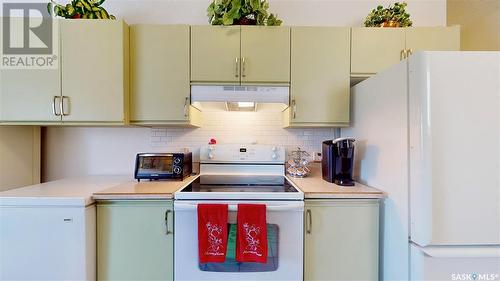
x=64 y=192
x=314 y=187
x=143 y=190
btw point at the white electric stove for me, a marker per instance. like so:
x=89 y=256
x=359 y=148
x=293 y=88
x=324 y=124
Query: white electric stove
x=241 y=172
x=233 y=174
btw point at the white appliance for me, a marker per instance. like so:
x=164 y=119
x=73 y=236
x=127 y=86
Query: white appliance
x=233 y=174
x=240 y=98
x=428 y=133
x=47 y=231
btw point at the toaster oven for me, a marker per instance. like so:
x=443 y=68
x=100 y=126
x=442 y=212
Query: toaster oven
x=156 y=166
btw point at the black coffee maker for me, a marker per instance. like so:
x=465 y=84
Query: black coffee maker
x=338 y=161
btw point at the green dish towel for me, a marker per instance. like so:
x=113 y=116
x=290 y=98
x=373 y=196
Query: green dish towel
x=231 y=243
x=272 y=239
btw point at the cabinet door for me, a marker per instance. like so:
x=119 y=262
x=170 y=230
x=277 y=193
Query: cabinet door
x=374 y=49
x=439 y=38
x=159 y=74
x=215 y=53
x=30 y=96
x=94 y=70
x=27 y=95
x=265 y=54
x=320 y=76
x=135 y=240
x=341 y=239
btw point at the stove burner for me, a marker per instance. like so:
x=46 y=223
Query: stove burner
x=240 y=183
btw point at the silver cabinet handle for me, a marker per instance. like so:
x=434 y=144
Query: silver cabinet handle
x=243 y=67
x=409 y=52
x=309 y=221
x=237 y=67
x=167 y=231
x=63 y=112
x=54 y=109
x=294 y=109
x=186 y=103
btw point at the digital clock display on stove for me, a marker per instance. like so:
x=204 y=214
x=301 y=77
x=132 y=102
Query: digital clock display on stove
x=243 y=149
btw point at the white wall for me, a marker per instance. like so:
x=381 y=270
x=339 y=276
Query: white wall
x=479 y=23
x=83 y=151
x=293 y=12
x=19 y=156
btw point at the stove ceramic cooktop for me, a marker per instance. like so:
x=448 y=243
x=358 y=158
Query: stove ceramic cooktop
x=240 y=187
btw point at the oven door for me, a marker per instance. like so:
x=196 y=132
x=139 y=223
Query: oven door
x=285 y=243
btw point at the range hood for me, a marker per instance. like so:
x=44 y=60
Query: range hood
x=240 y=98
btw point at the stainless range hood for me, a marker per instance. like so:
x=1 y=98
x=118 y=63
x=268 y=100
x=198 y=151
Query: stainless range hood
x=240 y=98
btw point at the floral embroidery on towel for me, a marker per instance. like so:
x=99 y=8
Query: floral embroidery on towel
x=253 y=242
x=214 y=240
x=251 y=233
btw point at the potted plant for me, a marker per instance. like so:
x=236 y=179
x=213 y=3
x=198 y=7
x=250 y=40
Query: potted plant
x=242 y=12
x=392 y=16
x=84 y=9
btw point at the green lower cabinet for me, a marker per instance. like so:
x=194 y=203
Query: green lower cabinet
x=135 y=240
x=341 y=239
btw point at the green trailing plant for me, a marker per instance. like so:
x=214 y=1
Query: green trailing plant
x=272 y=20
x=84 y=9
x=245 y=12
x=393 y=14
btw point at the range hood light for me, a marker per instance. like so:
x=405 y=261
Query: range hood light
x=246 y=104
x=241 y=106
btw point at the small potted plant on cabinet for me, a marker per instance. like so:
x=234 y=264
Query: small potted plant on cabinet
x=241 y=12
x=392 y=16
x=79 y=9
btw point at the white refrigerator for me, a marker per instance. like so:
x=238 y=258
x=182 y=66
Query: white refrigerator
x=428 y=134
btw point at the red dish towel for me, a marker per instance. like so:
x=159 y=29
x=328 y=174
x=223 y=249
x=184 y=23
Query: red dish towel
x=212 y=232
x=251 y=236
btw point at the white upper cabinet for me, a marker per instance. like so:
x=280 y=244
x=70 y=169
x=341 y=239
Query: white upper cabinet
x=433 y=38
x=89 y=86
x=159 y=87
x=215 y=54
x=320 y=77
x=240 y=54
x=95 y=71
x=374 y=48
x=29 y=95
x=265 y=54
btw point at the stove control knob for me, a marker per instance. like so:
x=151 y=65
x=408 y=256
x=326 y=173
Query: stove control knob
x=210 y=155
x=274 y=156
x=274 y=149
x=177 y=170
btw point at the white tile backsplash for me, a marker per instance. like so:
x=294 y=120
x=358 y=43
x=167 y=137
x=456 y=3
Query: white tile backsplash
x=242 y=128
x=81 y=151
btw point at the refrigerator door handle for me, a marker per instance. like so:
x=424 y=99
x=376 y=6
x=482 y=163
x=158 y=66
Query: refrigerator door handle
x=462 y=251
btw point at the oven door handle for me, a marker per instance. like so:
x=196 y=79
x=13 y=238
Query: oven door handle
x=183 y=206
